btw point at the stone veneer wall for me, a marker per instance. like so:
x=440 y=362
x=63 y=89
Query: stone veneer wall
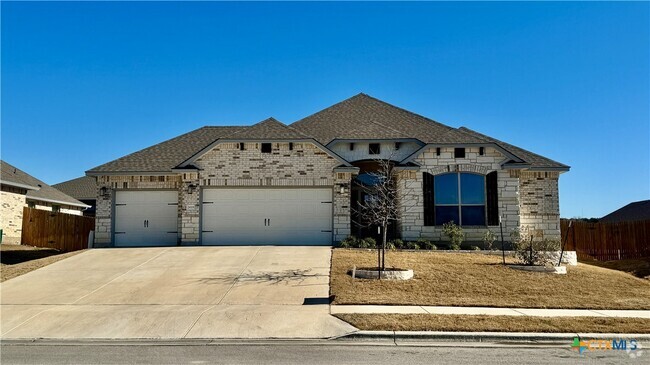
x=540 y=203
x=411 y=194
x=103 y=225
x=304 y=165
x=226 y=165
x=12 y=202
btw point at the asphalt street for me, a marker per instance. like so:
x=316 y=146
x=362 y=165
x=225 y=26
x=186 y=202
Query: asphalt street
x=301 y=353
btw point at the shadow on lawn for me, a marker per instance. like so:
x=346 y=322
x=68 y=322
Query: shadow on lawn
x=15 y=255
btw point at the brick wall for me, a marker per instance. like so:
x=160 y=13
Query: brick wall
x=540 y=207
x=226 y=165
x=103 y=224
x=12 y=202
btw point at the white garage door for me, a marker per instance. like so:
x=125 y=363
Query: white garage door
x=279 y=216
x=146 y=218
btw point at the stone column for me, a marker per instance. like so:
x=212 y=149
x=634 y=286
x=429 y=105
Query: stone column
x=189 y=208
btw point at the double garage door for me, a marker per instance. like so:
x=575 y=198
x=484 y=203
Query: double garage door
x=279 y=216
x=243 y=216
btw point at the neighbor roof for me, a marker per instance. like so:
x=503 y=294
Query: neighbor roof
x=168 y=154
x=364 y=117
x=82 y=188
x=636 y=211
x=44 y=193
x=15 y=177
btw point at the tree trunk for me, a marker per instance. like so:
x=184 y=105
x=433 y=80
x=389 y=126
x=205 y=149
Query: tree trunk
x=378 y=262
x=383 y=248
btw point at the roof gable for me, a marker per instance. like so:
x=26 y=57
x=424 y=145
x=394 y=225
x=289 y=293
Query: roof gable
x=365 y=117
x=268 y=129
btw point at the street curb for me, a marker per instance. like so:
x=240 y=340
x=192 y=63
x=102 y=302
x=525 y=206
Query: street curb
x=486 y=336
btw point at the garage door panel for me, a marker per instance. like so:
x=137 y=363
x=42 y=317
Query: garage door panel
x=146 y=218
x=250 y=216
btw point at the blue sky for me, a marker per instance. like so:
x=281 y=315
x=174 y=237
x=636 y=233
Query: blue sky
x=85 y=83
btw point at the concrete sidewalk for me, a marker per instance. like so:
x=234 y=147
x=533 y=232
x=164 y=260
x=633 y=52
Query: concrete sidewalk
x=534 y=312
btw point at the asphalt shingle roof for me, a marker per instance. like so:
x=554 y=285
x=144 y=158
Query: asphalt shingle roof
x=45 y=193
x=533 y=159
x=636 y=211
x=359 y=117
x=82 y=188
x=168 y=154
x=267 y=129
x=364 y=117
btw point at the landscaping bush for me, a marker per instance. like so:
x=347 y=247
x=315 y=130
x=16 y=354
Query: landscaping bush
x=367 y=242
x=425 y=244
x=411 y=245
x=398 y=243
x=390 y=245
x=488 y=240
x=475 y=248
x=349 y=242
x=533 y=252
x=455 y=234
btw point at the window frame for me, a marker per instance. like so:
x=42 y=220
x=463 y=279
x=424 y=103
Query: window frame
x=268 y=146
x=460 y=204
x=376 y=151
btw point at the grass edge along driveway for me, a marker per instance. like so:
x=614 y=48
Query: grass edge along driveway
x=472 y=279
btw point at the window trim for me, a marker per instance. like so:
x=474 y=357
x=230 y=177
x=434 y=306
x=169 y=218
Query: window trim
x=460 y=204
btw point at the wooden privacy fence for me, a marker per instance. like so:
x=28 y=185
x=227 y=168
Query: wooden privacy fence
x=65 y=232
x=607 y=241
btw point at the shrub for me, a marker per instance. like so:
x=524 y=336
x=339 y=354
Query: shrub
x=390 y=245
x=367 y=242
x=488 y=239
x=455 y=234
x=398 y=243
x=348 y=242
x=424 y=244
x=412 y=245
x=475 y=248
x=531 y=252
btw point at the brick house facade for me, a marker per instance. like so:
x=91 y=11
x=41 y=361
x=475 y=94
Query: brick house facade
x=327 y=151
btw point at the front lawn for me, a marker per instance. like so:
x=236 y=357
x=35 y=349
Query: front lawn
x=16 y=260
x=472 y=279
x=479 y=323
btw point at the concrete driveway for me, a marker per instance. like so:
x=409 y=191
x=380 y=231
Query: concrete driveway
x=173 y=293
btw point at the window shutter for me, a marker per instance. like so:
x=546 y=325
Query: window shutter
x=429 y=204
x=492 y=198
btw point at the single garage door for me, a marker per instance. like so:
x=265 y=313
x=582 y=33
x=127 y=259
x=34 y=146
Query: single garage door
x=146 y=218
x=281 y=216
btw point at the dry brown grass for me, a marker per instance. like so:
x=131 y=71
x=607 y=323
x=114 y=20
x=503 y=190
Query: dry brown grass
x=18 y=260
x=477 y=323
x=455 y=279
x=637 y=267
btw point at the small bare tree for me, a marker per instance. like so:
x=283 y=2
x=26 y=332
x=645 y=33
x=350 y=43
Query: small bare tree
x=381 y=208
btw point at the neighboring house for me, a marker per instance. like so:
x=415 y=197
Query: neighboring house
x=637 y=211
x=298 y=184
x=18 y=190
x=83 y=189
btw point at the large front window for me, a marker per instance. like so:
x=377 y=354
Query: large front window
x=459 y=198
